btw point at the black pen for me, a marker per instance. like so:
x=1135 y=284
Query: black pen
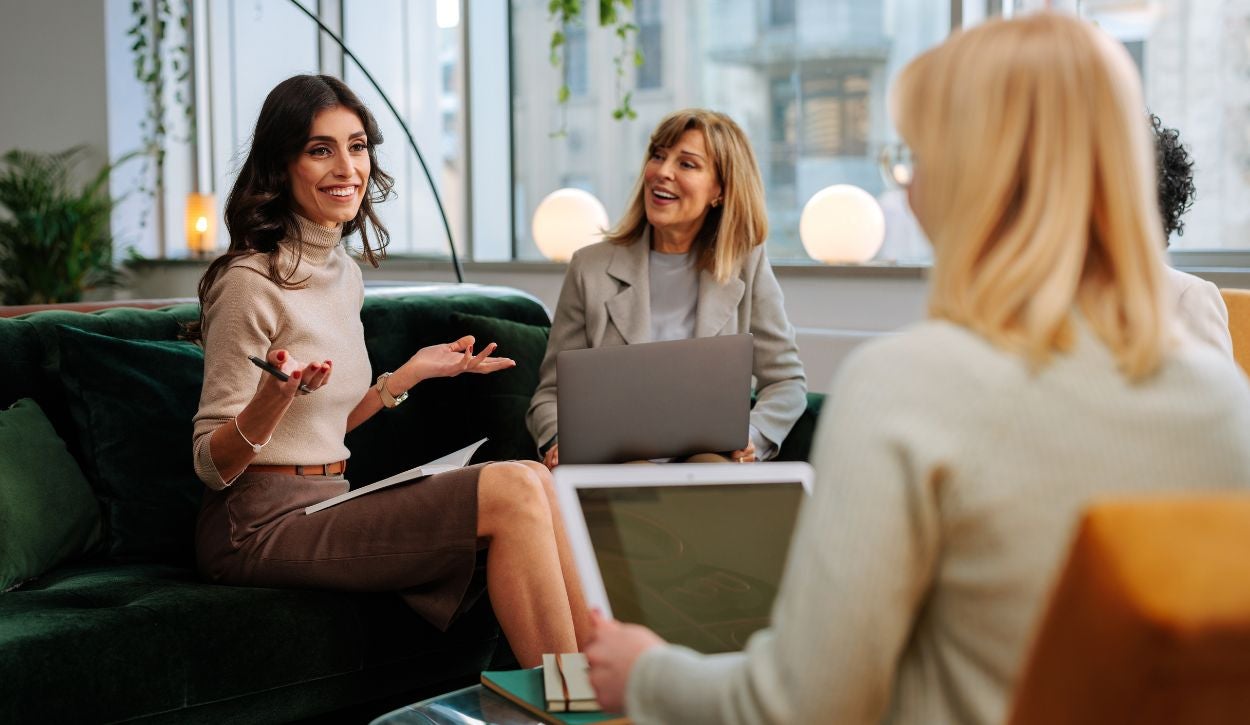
x=269 y=368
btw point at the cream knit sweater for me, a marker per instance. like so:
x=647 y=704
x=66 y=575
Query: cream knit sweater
x=247 y=314
x=948 y=482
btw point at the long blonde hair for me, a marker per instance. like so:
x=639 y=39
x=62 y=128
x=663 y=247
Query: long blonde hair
x=1037 y=188
x=732 y=229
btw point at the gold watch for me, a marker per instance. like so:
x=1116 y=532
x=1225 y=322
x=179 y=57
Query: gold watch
x=388 y=400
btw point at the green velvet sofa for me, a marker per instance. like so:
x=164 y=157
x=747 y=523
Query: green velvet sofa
x=125 y=630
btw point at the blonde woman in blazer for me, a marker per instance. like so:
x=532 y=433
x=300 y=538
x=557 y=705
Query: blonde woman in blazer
x=696 y=226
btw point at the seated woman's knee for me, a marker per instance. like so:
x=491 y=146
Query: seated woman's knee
x=511 y=492
x=544 y=476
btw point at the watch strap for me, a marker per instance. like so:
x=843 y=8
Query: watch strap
x=388 y=400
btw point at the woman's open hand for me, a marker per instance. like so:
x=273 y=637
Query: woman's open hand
x=451 y=359
x=302 y=378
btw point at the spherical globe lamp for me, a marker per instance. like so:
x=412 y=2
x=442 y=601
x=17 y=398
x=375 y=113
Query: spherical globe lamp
x=567 y=220
x=842 y=224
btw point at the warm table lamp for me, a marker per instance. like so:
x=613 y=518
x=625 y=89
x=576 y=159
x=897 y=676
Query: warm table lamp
x=201 y=229
x=567 y=220
x=842 y=224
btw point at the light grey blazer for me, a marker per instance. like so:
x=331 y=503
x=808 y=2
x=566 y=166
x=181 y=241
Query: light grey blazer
x=606 y=300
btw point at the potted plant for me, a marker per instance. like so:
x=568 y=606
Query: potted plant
x=55 y=240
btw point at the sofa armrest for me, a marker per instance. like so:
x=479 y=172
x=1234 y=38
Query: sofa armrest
x=798 y=445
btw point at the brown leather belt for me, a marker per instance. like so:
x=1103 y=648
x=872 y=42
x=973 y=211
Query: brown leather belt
x=338 y=468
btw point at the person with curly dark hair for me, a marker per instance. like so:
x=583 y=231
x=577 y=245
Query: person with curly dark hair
x=1198 y=302
x=1175 y=168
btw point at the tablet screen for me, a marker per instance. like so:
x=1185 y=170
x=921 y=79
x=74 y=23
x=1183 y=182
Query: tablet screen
x=701 y=564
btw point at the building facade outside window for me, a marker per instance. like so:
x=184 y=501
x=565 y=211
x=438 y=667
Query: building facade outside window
x=576 y=74
x=650 y=22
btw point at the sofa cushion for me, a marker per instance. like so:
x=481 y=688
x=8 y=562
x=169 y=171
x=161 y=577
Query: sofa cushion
x=446 y=414
x=48 y=513
x=133 y=402
x=30 y=365
x=506 y=392
x=518 y=340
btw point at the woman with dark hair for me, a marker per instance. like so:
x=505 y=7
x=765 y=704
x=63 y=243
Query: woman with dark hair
x=287 y=290
x=1198 y=302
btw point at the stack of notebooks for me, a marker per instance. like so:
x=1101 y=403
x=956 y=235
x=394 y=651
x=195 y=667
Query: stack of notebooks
x=559 y=692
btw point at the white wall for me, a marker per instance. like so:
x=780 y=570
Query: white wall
x=52 y=77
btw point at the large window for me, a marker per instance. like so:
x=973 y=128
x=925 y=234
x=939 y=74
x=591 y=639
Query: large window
x=1195 y=63
x=243 y=48
x=412 y=49
x=251 y=48
x=806 y=79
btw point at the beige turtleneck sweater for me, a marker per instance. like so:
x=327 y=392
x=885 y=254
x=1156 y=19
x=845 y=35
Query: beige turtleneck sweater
x=247 y=314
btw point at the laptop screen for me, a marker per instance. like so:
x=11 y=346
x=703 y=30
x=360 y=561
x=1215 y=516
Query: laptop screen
x=701 y=564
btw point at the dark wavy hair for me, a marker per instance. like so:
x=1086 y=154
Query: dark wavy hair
x=1176 y=177
x=260 y=211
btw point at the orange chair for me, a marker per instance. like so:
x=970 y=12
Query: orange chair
x=1150 y=621
x=1238 y=303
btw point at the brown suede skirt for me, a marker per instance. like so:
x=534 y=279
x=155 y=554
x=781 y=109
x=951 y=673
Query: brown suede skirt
x=417 y=538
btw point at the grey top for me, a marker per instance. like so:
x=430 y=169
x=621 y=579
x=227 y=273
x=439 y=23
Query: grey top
x=949 y=477
x=674 y=295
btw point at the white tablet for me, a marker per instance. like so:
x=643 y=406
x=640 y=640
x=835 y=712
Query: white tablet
x=695 y=551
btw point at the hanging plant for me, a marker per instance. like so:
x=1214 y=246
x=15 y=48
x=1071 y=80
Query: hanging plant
x=611 y=14
x=155 y=50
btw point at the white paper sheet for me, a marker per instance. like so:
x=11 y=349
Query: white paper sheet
x=449 y=462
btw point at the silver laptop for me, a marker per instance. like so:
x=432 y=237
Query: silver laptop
x=654 y=399
x=694 y=551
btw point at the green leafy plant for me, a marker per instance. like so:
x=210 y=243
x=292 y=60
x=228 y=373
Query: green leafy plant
x=611 y=14
x=55 y=243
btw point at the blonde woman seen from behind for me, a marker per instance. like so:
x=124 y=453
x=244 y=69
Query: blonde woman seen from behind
x=955 y=458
